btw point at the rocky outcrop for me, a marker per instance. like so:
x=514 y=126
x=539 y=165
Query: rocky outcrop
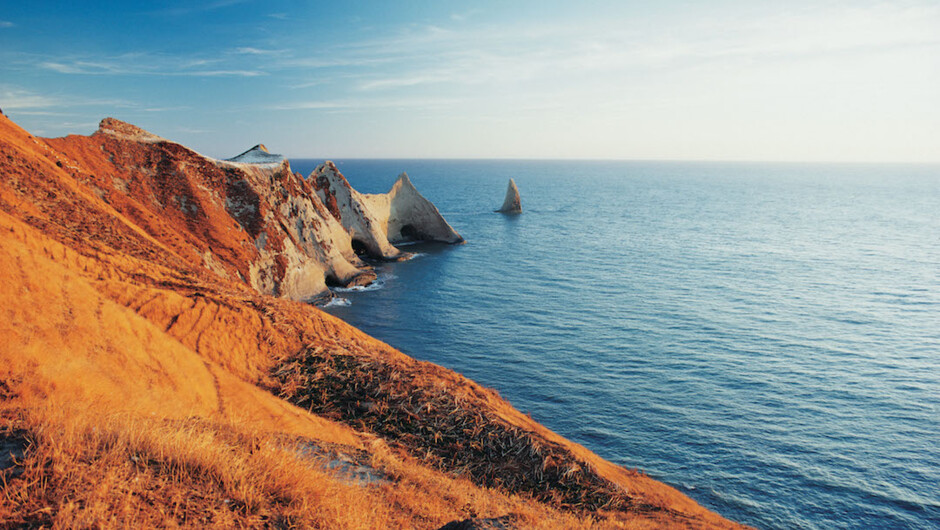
x=411 y=217
x=258 y=154
x=249 y=218
x=292 y=236
x=376 y=221
x=126 y=131
x=512 y=203
x=366 y=228
x=300 y=246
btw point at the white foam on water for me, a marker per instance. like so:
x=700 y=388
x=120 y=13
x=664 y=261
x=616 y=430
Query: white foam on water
x=374 y=286
x=338 y=302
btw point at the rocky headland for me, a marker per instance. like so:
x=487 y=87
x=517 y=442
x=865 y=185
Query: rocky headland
x=159 y=367
x=375 y=222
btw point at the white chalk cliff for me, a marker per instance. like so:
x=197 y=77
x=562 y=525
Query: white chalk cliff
x=512 y=203
x=301 y=247
x=410 y=216
x=284 y=241
x=375 y=221
x=251 y=219
x=352 y=210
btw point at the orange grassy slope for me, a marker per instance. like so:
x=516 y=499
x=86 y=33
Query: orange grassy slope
x=142 y=385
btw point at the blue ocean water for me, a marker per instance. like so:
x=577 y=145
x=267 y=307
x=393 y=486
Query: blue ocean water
x=765 y=337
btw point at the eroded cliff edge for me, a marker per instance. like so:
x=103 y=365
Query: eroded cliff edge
x=284 y=240
x=142 y=349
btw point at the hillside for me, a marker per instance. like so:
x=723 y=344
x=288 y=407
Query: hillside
x=159 y=366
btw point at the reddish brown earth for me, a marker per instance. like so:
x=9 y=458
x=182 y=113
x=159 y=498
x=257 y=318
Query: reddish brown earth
x=143 y=384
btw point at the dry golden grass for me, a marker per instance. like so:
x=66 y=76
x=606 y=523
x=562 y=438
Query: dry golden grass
x=435 y=426
x=85 y=468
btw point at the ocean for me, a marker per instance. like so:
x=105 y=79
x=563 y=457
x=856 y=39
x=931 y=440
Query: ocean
x=764 y=337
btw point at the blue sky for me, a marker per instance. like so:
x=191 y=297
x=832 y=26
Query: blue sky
x=800 y=81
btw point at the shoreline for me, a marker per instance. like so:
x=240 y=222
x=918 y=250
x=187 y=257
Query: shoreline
x=153 y=327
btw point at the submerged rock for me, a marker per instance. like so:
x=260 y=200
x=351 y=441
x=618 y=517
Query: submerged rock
x=512 y=203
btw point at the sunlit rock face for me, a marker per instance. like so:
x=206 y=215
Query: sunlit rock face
x=249 y=218
x=411 y=217
x=512 y=203
x=351 y=208
x=376 y=221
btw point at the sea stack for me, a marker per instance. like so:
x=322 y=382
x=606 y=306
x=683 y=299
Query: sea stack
x=512 y=203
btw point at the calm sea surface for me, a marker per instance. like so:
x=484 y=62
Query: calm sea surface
x=765 y=337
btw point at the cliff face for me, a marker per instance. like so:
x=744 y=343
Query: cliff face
x=142 y=352
x=376 y=221
x=249 y=218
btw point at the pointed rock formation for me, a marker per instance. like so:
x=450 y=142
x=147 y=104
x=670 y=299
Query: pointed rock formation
x=258 y=154
x=126 y=131
x=376 y=221
x=512 y=203
x=411 y=217
x=352 y=210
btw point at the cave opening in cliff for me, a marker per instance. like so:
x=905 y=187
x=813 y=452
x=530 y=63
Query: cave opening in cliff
x=411 y=233
x=359 y=247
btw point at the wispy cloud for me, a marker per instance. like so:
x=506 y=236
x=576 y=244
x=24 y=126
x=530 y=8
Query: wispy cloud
x=463 y=15
x=197 y=7
x=78 y=67
x=406 y=81
x=35 y=103
x=566 y=75
x=6 y=24
x=249 y=50
x=166 y=109
x=355 y=104
x=550 y=56
x=219 y=73
x=47 y=113
x=307 y=84
x=148 y=65
x=15 y=98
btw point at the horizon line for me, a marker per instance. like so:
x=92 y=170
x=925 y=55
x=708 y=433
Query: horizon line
x=661 y=160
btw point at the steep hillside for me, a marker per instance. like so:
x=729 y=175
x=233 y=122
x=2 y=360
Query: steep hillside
x=157 y=368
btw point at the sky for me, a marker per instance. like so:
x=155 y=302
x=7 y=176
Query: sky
x=671 y=80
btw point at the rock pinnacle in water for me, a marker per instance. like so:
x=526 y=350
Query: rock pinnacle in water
x=512 y=203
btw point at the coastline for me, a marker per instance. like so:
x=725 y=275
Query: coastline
x=161 y=312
